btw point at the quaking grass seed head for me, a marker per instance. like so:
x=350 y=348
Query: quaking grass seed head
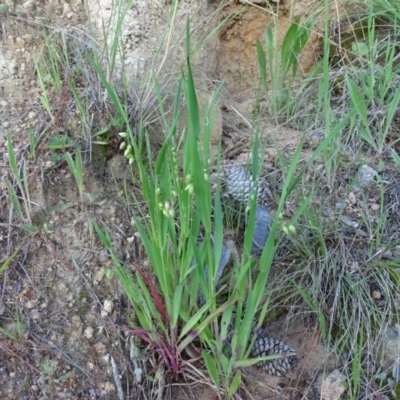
x=188 y=179
x=190 y=188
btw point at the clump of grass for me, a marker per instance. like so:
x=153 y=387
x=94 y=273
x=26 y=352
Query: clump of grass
x=75 y=99
x=182 y=209
x=364 y=81
x=278 y=67
x=340 y=276
x=20 y=181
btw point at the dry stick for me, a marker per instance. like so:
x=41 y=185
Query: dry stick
x=117 y=379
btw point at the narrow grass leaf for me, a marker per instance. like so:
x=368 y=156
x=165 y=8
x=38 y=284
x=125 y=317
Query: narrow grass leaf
x=393 y=108
x=262 y=63
x=8 y=334
x=395 y=157
x=236 y=381
x=269 y=40
x=192 y=103
x=211 y=367
x=104 y=237
x=7 y=262
x=28 y=228
x=288 y=58
x=11 y=157
x=176 y=303
x=14 y=200
x=202 y=325
x=358 y=101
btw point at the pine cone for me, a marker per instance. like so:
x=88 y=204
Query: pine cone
x=239 y=184
x=267 y=346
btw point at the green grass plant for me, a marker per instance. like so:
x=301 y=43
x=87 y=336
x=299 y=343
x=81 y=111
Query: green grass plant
x=20 y=177
x=183 y=236
x=76 y=168
x=278 y=66
x=333 y=277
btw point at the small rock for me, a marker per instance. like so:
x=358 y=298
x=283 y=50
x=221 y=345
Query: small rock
x=108 y=306
x=20 y=42
x=103 y=313
x=391 y=346
x=88 y=332
x=76 y=321
x=366 y=175
x=31 y=115
x=29 y=6
x=103 y=257
x=34 y=313
x=28 y=38
x=109 y=387
x=100 y=348
x=98 y=276
x=66 y=9
x=31 y=304
x=349 y=222
x=352 y=198
x=333 y=386
x=376 y=295
x=387 y=253
x=375 y=207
